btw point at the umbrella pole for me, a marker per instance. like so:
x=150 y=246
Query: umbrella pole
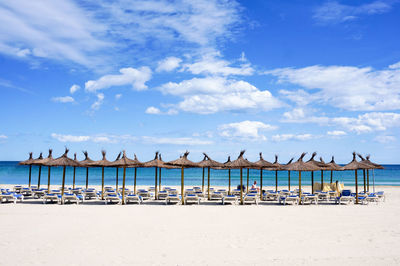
x=155 y=184
x=116 y=181
x=102 y=183
x=73 y=180
x=48 y=181
x=208 y=184
x=40 y=173
x=365 y=185
x=241 y=186
x=367 y=180
x=322 y=180
x=300 y=186
x=30 y=175
x=182 y=186
x=87 y=177
x=134 y=182
x=229 y=186
x=276 y=180
x=261 y=184
x=289 y=180
x=202 y=183
x=331 y=176
x=373 y=180
x=123 y=186
x=312 y=182
x=159 y=179
x=247 y=187
x=63 y=184
x=356 y=186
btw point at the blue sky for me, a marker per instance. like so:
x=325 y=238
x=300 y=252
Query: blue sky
x=281 y=77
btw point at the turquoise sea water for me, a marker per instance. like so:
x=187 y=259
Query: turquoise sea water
x=12 y=173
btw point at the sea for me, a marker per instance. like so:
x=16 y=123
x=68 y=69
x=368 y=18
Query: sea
x=12 y=173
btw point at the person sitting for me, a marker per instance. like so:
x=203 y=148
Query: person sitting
x=254 y=186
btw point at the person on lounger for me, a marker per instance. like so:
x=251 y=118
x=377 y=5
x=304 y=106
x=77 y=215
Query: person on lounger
x=254 y=186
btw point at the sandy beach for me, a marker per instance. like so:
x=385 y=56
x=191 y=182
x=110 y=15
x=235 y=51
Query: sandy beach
x=209 y=234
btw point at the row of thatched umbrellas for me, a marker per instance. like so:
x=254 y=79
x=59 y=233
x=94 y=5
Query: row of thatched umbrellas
x=122 y=161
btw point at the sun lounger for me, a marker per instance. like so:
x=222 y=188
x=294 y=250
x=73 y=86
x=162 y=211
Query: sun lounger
x=372 y=197
x=216 y=196
x=71 y=198
x=224 y=192
x=381 y=195
x=27 y=192
x=236 y=192
x=133 y=198
x=323 y=196
x=111 y=198
x=11 y=197
x=250 y=199
x=197 y=189
x=271 y=195
x=17 y=189
x=309 y=199
x=39 y=193
x=294 y=199
x=144 y=194
x=229 y=199
x=51 y=198
x=162 y=195
x=345 y=197
x=172 y=199
x=90 y=193
x=192 y=199
x=151 y=189
x=199 y=194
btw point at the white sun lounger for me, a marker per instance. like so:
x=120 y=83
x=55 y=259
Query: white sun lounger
x=309 y=199
x=11 y=197
x=90 y=193
x=51 y=198
x=230 y=199
x=172 y=199
x=162 y=195
x=250 y=199
x=71 y=198
x=110 y=198
x=216 y=196
x=289 y=199
x=144 y=194
x=132 y=198
x=192 y=199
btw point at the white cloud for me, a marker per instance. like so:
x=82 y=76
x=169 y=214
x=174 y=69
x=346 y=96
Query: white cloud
x=57 y=30
x=303 y=115
x=2 y=137
x=74 y=88
x=104 y=138
x=336 y=133
x=176 y=141
x=153 y=110
x=395 y=66
x=385 y=139
x=245 y=129
x=215 y=94
x=100 y=99
x=211 y=63
x=369 y=122
x=168 y=64
x=333 y=12
x=69 y=138
x=129 y=76
x=286 y=137
x=350 y=88
x=118 y=96
x=63 y=99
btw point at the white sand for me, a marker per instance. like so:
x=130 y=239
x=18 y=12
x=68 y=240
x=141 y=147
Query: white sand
x=149 y=234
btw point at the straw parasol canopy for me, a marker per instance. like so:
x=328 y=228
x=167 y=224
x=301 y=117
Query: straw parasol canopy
x=332 y=165
x=319 y=165
x=261 y=163
x=156 y=162
x=183 y=162
x=300 y=165
x=369 y=163
x=355 y=165
x=28 y=162
x=124 y=161
x=38 y=159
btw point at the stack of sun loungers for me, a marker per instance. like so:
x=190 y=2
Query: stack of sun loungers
x=7 y=195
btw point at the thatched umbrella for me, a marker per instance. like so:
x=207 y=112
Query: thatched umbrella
x=86 y=163
x=355 y=165
x=37 y=162
x=372 y=167
x=157 y=164
x=183 y=162
x=263 y=164
x=63 y=161
x=320 y=166
x=101 y=163
x=28 y=162
x=124 y=162
x=300 y=166
x=332 y=166
x=209 y=163
x=241 y=163
x=44 y=162
x=117 y=172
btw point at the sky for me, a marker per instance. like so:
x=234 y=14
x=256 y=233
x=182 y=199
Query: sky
x=215 y=76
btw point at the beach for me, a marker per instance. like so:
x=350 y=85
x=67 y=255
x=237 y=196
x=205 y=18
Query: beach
x=206 y=234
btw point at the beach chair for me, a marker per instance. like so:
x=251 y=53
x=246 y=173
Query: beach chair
x=345 y=197
x=271 y=195
x=323 y=196
x=373 y=197
x=9 y=196
x=250 y=199
x=224 y=192
x=71 y=198
x=230 y=199
x=39 y=193
x=144 y=194
x=162 y=195
x=309 y=199
x=90 y=193
x=17 y=189
x=172 y=198
x=197 y=189
x=113 y=198
x=192 y=199
x=133 y=198
x=381 y=195
x=27 y=192
x=199 y=194
x=127 y=191
x=50 y=197
x=216 y=196
x=151 y=189
x=294 y=199
x=236 y=192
